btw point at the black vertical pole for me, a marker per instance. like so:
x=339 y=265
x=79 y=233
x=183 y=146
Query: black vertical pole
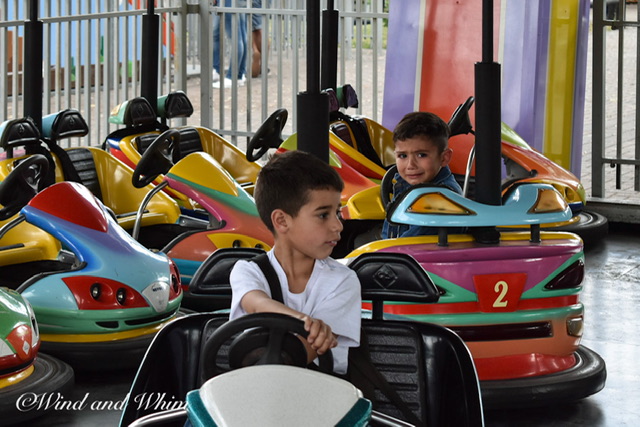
x=313 y=46
x=149 y=66
x=488 y=116
x=313 y=106
x=329 y=73
x=32 y=87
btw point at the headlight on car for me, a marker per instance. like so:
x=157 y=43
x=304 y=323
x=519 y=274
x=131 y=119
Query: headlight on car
x=96 y=291
x=438 y=204
x=575 y=326
x=571 y=195
x=121 y=296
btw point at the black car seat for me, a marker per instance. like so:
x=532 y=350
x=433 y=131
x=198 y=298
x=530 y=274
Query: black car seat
x=190 y=141
x=139 y=118
x=344 y=125
x=429 y=365
x=176 y=104
x=84 y=166
x=209 y=288
x=358 y=126
x=23 y=134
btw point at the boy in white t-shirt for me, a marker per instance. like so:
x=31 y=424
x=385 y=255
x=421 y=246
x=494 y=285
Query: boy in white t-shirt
x=298 y=198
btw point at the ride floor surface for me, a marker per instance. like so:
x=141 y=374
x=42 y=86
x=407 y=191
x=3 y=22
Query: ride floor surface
x=611 y=297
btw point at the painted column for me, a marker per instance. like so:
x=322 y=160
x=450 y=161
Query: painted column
x=431 y=51
x=545 y=58
x=433 y=45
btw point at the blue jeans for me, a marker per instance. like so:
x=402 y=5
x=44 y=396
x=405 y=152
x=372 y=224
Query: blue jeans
x=241 y=45
x=256 y=18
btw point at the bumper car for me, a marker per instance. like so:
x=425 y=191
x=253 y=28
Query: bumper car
x=522 y=164
x=415 y=373
x=228 y=212
x=221 y=213
x=142 y=124
x=24 y=371
x=104 y=175
x=513 y=296
x=362 y=149
x=207 y=176
x=100 y=299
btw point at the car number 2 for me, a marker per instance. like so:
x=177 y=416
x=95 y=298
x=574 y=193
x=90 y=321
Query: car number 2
x=499 y=292
x=501 y=289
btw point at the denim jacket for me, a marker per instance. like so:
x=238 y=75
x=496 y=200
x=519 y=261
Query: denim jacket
x=444 y=178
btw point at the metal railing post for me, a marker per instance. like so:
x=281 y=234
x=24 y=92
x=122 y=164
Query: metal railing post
x=205 y=41
x=597 y=141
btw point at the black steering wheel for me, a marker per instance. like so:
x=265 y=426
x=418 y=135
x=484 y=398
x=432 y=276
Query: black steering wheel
x=386 y=186
x=268 y=135
x=460 y=123
x=276 y=348
x=22 y=184
x=161 y=155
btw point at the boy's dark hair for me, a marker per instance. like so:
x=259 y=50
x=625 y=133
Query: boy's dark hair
x=286 y=180
x=423 y=124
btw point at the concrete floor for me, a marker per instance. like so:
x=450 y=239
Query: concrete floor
x=610 y=298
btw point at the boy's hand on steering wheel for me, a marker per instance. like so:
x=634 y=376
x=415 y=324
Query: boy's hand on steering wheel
x=320 y=336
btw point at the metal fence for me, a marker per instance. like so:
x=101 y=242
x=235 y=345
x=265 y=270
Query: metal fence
x=91 y=57
x=615 y=145
x=92 y=54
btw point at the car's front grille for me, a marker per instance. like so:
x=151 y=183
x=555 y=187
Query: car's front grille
x=154 y=319
x=503 y=332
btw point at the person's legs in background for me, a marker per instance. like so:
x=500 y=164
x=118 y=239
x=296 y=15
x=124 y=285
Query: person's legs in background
x=256 y=40
x=240 y=47
x=216 y=47
x=243 y=47
x=241 y=43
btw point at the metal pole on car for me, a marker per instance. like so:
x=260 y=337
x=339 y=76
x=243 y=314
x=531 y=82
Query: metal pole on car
x=313 y=105
x=329 y=74
x=149 y=57
x=32 y=86
x=488 y=116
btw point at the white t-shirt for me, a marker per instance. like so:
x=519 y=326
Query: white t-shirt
x=332 y=295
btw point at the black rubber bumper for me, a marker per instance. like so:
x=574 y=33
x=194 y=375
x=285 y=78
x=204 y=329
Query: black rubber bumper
x=587 y=377
x=100 y=356
x=19 y=402
x=592 y=227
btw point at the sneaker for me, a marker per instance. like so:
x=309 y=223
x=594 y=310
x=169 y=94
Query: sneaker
x=216 y=76
x=227 y=83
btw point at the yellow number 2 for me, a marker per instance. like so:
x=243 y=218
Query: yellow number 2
x=501 y=287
